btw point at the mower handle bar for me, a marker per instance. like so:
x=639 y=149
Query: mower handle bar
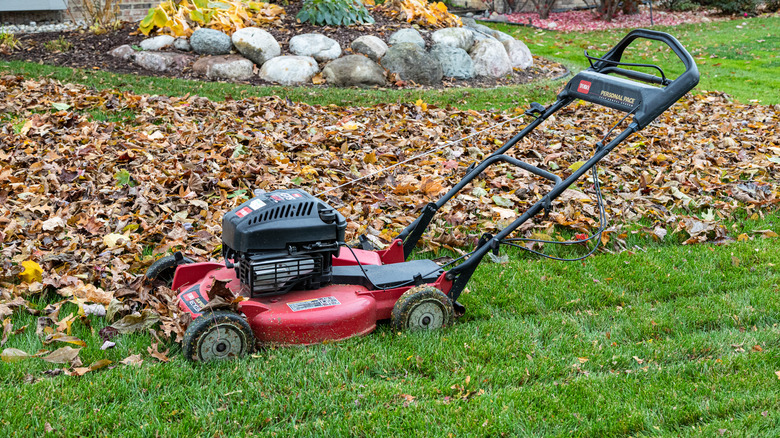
x=616 y=54
x=412 y=233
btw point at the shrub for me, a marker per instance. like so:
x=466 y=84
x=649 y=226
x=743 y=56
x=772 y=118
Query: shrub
x=179 y=18
x=772 y=5
x=679 y=5
x=334 y=12
x=8 y=42
x=102 y=15
x=420 y=12
x=732 y=6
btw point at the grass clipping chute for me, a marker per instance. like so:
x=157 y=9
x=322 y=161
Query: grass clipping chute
x=420 y=12
x=180 y=19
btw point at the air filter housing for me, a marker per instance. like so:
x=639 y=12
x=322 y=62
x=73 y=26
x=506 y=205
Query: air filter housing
x=282 y=240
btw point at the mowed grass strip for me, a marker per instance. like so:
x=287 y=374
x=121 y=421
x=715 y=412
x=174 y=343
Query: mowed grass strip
x=663 y=340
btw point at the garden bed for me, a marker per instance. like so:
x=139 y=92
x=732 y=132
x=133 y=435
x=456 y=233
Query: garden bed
x=90 y=51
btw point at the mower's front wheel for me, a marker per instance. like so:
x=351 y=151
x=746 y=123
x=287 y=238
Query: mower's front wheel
x=422 y=308
x=164 y=268
x=217 y=335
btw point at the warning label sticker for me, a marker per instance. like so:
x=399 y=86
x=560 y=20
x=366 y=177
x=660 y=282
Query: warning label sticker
x=256 y=204
x=297 y=306
x=243 y=212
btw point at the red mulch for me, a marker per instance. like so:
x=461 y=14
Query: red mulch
x=588 y=20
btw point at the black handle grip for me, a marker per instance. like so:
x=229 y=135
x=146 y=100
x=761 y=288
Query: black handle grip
x=655 y=103
x=633 y=74
x=617 y=52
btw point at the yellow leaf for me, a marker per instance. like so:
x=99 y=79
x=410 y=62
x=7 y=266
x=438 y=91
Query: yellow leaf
x=743 y=238
x=370 y=158
x=13 y=355
x=32 y=272
x=160 y=18
x=423 y=106
x=576 y=166
x=114 y=239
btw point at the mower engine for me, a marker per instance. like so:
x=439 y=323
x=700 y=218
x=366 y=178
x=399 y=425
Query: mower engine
x=282 y=240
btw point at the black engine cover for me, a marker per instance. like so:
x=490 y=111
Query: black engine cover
x=282 y=240
x=277 y=220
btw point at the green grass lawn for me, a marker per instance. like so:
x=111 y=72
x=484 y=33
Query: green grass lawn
x=662 y=340
x=666 y=340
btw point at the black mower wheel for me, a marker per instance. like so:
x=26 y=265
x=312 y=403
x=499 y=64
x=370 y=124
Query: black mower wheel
x=216 y=336
x=422 y=308
x=164 y=268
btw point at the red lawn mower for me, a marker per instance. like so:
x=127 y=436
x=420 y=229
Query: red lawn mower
x=284 y=250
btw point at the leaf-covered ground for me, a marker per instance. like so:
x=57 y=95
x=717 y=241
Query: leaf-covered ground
x=589 y=20
x=96 y=184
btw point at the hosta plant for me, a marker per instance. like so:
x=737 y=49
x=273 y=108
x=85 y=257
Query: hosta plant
x=334 y=13
x=182 y=17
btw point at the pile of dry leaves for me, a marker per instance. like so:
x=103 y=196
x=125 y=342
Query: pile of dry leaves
x=86 y=205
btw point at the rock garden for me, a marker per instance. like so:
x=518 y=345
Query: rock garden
x=392 y=51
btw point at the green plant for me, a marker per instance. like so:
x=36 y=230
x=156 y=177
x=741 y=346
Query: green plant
x=58 y=45
x=8 y=42
x=732 y=6
x=679 y=5
x=334 y=12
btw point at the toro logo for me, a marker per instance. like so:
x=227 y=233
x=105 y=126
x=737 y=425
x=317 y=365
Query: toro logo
x=584 y=87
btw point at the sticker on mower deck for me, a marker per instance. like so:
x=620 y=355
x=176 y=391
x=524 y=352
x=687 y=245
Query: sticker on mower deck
x=256 y=204
x=316 y=303
x=286 y=197
x=192 y=299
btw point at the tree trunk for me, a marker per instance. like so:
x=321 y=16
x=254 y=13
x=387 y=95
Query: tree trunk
x=630 y=7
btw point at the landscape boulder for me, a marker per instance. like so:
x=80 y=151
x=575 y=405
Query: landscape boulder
x=157 y=43
x=289 y=70
x=232 y=67
x=182 y=44
x=371 y=46
x=519 y=55
x=490 y=59
x=354 y=70
x=412 y=63
x=454 y=36
x=162 y=61
x=256 y=44
x=315 y=45
x=408 y=35
x=210 y=42
x=123 y=52
x=455 y=62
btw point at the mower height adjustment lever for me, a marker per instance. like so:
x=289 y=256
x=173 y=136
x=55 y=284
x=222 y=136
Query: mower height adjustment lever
x=536 y=109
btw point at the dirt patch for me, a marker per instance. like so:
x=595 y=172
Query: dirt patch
x=90 y=51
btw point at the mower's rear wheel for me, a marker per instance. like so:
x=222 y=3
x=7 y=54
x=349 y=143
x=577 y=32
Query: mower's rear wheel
x=164 y=268
x=216 y=336
x=422 y=308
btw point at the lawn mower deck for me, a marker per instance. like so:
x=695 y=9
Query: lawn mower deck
x=286 y=259
x=366 y=286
